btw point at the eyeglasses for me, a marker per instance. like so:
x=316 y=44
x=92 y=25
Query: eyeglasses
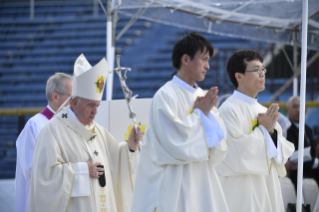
x=258 y=71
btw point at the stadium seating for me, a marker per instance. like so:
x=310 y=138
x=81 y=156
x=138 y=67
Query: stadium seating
x=287 y=191
x=310 y=192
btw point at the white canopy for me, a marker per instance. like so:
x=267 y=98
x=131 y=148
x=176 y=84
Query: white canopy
x=264 y=20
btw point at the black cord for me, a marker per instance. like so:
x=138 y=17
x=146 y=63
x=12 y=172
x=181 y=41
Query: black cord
x=157 y=84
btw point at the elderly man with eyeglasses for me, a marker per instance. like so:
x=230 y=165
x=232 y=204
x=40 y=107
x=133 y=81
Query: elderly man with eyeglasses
x=257 y=151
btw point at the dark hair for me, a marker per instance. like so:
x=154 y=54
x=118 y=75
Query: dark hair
x=238 y=63
x=190 y=44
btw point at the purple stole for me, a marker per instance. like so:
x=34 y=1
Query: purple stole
x=47 y=113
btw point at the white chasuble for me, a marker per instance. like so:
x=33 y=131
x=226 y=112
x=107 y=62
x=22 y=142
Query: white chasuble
x=64 y=142
x=176 y=172
x=249 y=176
x=104 y=202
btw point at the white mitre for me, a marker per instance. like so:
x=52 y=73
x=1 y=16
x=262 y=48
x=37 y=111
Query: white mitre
x=88 y=81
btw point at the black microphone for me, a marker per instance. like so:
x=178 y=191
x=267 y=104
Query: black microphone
x=102 y=180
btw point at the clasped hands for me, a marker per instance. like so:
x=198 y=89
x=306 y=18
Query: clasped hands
x=269 y=119
x=207 y=102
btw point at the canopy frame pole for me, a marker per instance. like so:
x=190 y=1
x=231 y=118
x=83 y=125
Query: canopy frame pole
x=295 y=55
x=282 y=47
x=114 y=21
x=236 y=9
x=222 y=12
x=302 y=102
x=136 y=16
x=110 y=51
x=109 y=48
x=287 y=84
x=309 y=18
x=110 y=42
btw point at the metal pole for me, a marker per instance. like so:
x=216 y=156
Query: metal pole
x=295 y=82
x=31 y=10
x=110 y=52
x=302 y=102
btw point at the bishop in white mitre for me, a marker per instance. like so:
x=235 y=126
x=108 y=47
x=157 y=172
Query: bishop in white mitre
x=67 y=150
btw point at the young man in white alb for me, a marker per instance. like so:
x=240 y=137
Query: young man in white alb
x=257 y=151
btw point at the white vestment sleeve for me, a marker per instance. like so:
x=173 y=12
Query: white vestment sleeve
x=81 y=186
x=27 y=140
x=134 y=158
x=271 y=148
x=213 y=131
x=315 y=163
x=278 y=158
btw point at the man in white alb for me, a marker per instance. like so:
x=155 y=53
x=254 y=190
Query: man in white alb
x=58 y=89
x=184 y=139
x=78 y=165
x=257 y=151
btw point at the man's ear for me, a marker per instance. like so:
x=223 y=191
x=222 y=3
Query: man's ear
x=54 y=96
x=239 y=77
x=74 y=101
x=73 y=104
x=185 y=59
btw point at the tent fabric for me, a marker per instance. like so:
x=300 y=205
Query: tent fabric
x=263 y=20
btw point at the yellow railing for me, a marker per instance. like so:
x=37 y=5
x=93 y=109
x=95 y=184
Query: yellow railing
x=30 y=111
x=283 y=104
x=19 y=111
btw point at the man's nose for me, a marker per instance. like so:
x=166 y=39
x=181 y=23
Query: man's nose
x=207 y=66
x=94 y=111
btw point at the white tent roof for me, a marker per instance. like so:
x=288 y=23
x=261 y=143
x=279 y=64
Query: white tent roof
x=263 y=20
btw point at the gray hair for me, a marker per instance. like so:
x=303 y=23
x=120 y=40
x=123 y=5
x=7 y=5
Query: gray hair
x=78 y=99
x=56 y=84
x=290 y=100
